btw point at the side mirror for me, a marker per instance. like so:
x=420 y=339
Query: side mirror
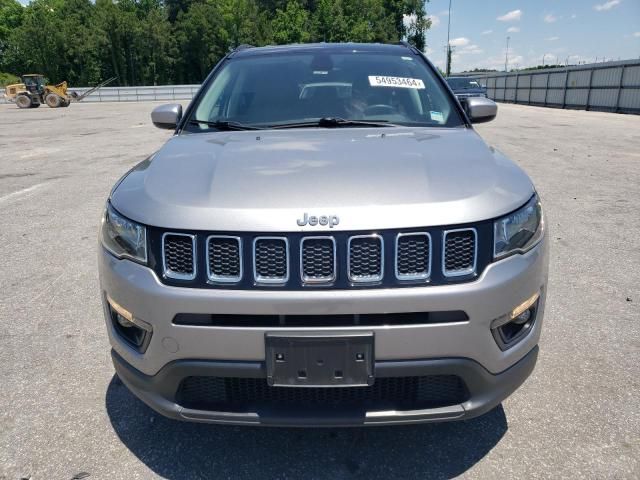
x=167 y=116
x=480 y=109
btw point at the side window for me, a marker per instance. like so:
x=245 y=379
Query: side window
x=211 y=105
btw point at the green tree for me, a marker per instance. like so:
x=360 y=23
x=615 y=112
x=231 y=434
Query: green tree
x=202 y=40
x=36 y=43
x=329 y=22
x=145 y=42
x=291 y=25
x=7 y=79
x=11 y=13
x=416 y=23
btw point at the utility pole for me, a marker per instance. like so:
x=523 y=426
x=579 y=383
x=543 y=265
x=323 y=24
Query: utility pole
x=506 y=55
x=448 y=68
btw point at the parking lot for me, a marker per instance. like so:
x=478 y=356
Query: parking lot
x=62 y=412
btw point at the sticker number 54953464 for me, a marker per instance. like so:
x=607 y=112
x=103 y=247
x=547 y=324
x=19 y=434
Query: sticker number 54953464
x=395 y=82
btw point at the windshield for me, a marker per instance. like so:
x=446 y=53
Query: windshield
x=270 y=91
x=463 y=83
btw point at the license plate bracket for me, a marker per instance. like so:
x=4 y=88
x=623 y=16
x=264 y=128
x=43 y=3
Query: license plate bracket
x=311 y=359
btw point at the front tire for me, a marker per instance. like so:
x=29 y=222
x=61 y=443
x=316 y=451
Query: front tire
x=53 y=100
x=23 y=101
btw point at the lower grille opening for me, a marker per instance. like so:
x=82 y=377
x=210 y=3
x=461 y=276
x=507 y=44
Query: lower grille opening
x=254 y=394
x=365 y=320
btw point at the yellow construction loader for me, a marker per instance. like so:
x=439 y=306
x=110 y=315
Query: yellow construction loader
x=34 y=91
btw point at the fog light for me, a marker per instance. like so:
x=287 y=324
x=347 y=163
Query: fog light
x=523 y=317
x=134 y=331
x=509 y=329
x=119 y=309
x=524 y=306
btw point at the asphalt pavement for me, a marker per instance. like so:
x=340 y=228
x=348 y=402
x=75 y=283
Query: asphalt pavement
x=63 y=413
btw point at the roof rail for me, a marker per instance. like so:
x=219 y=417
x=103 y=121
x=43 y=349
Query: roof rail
x=406 y=44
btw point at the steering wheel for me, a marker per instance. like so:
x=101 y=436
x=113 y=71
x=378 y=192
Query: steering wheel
x=379 y=109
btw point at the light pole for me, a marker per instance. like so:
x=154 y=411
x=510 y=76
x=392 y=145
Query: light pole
x=543 y=59
x=448 y=68
x=506 y=55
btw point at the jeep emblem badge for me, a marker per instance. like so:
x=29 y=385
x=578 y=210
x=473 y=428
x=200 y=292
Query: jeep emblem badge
x=323 y=220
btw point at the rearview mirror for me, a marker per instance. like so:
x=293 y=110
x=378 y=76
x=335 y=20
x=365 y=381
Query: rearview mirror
x=167 y=116
x=480 y=109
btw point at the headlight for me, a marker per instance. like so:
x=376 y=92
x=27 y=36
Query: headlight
x=122 y=237
x=519 y=231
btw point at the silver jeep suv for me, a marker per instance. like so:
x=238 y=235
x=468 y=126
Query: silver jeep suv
x=324 y=241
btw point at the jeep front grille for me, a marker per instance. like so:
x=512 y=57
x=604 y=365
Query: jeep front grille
x=339 y=260
x=413 y=256
x=318 y=259
x=179 y=256
x=366 y=258
x=224 y=258
x=271 y=260
x=460 y=252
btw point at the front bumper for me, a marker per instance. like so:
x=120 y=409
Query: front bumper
x=502 y=286
x=486 y=392
x=466 y=349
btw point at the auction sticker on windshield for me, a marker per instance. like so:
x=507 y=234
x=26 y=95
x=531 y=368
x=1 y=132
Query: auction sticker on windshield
x=395 y=82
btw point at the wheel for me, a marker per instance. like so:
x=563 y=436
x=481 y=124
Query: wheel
x=53 y=100
x=65 y=103
x=23 y=101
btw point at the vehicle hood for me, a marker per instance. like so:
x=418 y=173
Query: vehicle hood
x=371 y=178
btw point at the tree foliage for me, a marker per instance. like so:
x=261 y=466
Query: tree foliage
x=148 y=42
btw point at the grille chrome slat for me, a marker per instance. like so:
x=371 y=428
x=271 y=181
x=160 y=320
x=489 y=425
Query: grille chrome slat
x=271 y=260
x=178 y=256
x=365 y=258
x=413 y=256
x=224 y=258
x=460 y=252
x=318 y=260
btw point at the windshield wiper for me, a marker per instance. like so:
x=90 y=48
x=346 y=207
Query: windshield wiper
x=223 y=125
x=335 y=122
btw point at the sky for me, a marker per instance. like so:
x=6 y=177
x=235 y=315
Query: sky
x=562 y=31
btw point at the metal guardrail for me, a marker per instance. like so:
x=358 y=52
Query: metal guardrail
x=140 y=94
x=609 y=87
x=135 y=94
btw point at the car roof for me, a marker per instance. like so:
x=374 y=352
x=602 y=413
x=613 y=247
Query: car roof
x=246 y=51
